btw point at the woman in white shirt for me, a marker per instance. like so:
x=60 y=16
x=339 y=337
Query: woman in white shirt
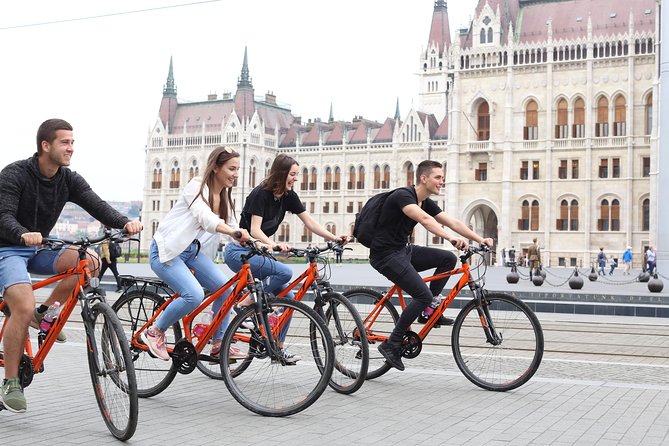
x=183 y=246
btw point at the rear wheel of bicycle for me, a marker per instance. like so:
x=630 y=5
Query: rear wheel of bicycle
x=269 y=385
x=364 y=300
x=112 y=372
x=350 y=343
x=520 y=344
x=134 y=310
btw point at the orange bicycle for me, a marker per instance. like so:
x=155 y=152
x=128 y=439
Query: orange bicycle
x=261 y=378
x=497 y=341
x=109 y=359
x=341 y=317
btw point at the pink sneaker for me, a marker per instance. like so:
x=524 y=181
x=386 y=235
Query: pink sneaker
x=155 y=340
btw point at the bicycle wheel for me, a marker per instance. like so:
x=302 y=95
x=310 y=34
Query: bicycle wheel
x=112 y=371
x=364 y=300
x=134 y=310
x=520 y=343
x=350 y=343
x=283 y=381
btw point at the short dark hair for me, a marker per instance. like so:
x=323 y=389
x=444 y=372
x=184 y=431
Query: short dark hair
x=425 y=167
x=47 y=131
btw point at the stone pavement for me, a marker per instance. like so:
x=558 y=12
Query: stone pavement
x=603 y=381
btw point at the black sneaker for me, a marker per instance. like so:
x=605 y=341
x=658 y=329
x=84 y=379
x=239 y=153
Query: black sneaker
x=422 y=319
x=392 y=354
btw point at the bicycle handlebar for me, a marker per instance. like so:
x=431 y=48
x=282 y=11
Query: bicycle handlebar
x=315 y=250
x=57 y=243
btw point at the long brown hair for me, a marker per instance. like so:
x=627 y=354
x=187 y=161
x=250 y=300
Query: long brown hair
x=278 y=173
x=219 y=156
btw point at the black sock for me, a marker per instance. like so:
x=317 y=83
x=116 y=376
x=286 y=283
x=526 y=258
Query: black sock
x=42 y=308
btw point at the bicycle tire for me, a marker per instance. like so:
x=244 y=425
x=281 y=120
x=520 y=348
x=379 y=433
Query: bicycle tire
x=112 y=371
x=134 y=309
x=350 y=343
x=274 y=388
x=364 y=300
x=511 y=363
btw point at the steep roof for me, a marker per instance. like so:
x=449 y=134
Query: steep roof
x=440 y=31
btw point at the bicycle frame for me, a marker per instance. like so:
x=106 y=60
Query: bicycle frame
x=84 y=274
x=465 y=279
x=239 y=285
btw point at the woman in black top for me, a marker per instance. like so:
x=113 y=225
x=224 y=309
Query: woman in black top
x=263 y=212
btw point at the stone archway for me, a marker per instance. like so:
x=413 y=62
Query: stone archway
x=482 y=219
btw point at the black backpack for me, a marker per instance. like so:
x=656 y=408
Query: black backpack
x=114 y=250
x=367 y=220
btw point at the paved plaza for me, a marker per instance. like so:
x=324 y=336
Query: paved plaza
x=603 y=381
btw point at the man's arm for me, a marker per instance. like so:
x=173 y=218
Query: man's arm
x=82 y=194
x=10 y=196
x=416 y=213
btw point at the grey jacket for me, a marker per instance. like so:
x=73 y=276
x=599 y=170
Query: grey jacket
x=31 y=202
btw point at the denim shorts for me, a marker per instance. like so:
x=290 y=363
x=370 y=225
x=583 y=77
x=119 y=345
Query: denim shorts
x=16 y=262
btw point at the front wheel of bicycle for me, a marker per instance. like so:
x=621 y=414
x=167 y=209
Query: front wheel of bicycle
x=365 y=300
x=281 y=381
x=134 y=310
x=350 y=343
x=112 y=371
x=510 y=356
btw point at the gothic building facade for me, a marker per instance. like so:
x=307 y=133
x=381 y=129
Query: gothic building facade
x=542 y=115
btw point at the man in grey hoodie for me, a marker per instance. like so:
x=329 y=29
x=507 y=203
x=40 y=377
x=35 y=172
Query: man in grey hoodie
x=33 y=193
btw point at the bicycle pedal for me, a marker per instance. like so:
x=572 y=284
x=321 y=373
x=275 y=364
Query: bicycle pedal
x=2 y=406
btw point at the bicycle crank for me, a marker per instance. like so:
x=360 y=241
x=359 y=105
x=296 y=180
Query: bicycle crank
x=184 y=356
x=411 y=345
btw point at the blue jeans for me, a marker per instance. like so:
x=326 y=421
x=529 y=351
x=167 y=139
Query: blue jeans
x=262 y=268
x=177 y=274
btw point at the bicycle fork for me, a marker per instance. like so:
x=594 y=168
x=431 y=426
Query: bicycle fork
x=493 y=336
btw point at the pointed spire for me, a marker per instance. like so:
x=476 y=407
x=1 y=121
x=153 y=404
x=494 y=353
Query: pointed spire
x=170 y=89
x=440 y=31
x=397 y=109
x=245 y=79
x=331 y=118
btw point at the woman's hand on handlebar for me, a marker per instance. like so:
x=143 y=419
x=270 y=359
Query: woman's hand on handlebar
x=242 y=235
x=283 y=247
x=343 y=239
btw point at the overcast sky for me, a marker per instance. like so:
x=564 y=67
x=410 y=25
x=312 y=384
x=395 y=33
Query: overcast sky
x=105 y=75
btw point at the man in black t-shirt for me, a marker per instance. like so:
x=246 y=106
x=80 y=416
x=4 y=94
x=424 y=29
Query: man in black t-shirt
x=400 y=262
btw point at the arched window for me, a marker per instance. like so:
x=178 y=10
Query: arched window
x=602 y=124
x=154 y=227
x=483 y=122
x=307 y=235
x=193 y=171
x=327 y=185
x=534 y=216
x=361 y=178
x=386 y=177
x=649 y=114
x=377 y=177
x=157 y=179
x=561 y=126
x=578 y=128
x=314 y=179
x=175 y=176
x=489 y=35
x=529 y=216
x=645 y=215
x=252 y=173
x=531 y=130
x=609 y=216
x=351 y=178
x=410 y=174
x=331 y=227
x=284 y=232
x=568 y=220
x=482 y=39
x=619 y=116
x=305 y=179
x=337 y=178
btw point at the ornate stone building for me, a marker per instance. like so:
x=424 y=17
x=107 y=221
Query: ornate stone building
x=541 y=112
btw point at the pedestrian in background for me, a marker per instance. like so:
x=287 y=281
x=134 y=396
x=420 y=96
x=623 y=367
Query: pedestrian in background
x=109 y=253
x=534 y=257
x=650 y=259
x=612 y=264
x=601 y=262
x=627 y=261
